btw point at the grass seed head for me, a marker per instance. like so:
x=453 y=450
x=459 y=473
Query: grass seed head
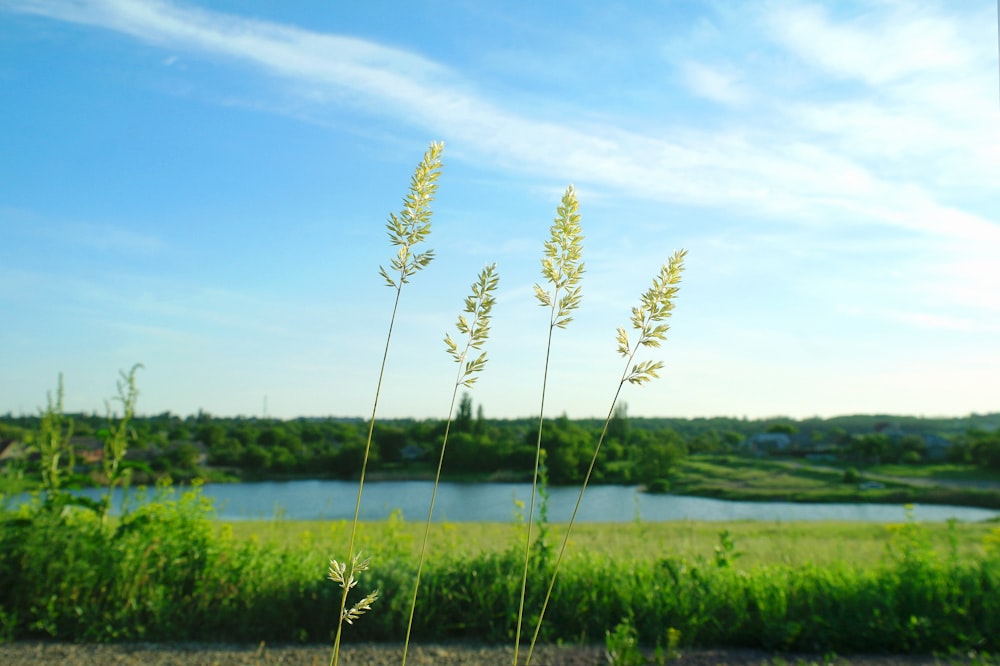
x=562 y=264
x=480 y=307
x=656 y=305
x=413 y=224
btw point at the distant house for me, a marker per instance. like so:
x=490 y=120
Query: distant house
x=89 y=450
x=766 y=443
x=12 y=449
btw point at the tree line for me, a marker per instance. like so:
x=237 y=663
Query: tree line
x=635 y=450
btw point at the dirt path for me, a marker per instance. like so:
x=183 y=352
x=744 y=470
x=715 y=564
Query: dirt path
x=199 y=654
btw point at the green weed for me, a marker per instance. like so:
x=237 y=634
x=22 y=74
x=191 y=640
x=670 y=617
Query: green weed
x=622 y=645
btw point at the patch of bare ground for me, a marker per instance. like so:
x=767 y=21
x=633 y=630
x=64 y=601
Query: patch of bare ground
x=203 y=654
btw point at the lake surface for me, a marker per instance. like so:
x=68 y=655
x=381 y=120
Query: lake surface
x=496 y=502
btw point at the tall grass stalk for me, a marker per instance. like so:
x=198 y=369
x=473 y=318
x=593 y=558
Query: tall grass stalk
x=479 y=306
x=406 y=231
x=656 y=305
x=563 y=268
x=116 y=441
x=52 y=442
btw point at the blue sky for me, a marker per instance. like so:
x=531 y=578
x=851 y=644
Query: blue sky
x=202 y=187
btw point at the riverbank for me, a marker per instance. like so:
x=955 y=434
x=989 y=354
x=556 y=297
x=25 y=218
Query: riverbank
x=167 y=570
x=796 y=480
x=753 y=479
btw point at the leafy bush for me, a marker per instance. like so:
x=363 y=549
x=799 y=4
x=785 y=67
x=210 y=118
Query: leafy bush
x=167 y=572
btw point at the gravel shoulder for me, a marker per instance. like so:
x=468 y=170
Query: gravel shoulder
x=201 y=654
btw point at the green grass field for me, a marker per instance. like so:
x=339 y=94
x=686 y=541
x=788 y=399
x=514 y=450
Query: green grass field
x=169 y=572
x=760 y=543
x=940 y=471
x=745 y=478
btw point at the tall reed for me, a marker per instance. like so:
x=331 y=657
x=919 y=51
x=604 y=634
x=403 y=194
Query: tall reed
x=406 y=231
x=52 y=442
x=562 y=268
x=116 y=469
x=479 y=306
x=656 y=305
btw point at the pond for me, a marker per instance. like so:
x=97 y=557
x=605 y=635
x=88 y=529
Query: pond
x=501 y=502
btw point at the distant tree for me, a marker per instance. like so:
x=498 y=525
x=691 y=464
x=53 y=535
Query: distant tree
x=656 y=459
x=984 y=447
x=911 y=449
x=463 y=419
x=480 y=426
x=566 y=444
x=471 y=453
x=787 y=428
x=179 y=432
x=731 y=439
x=211 y=435
x=707 y=441
x=283 y=460
x=230 y=453
x=839 y=437
x=959 y=451
x=184 y=456
x=256 y=458
x=348 y=459
x=871 y=448
x=618 y=427
x=390 y=440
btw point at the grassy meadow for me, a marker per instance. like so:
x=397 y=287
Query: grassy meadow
x=169 y=571
x=777 y=480
x=759 y=543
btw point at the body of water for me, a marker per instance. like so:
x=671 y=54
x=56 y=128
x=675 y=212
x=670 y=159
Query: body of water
x=501 y=502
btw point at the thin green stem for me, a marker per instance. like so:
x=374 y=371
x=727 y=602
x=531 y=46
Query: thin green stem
x=563 y=268
x=534 y=486
x=656 y=306
x=406 y=230
x=427 y=526
x=335 y=656
x=572 y=519
x=479 y=305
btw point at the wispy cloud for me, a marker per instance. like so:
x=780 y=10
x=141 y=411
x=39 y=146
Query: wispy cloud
x=713 y=83
x=109 y=238
x=876 y=47
x=101 y=236
x=915 y=121
x=768 y=172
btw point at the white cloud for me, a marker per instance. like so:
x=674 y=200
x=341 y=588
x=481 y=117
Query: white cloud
x=771 y=172
x=872 y=155
x=713 y=83
x=875 y=47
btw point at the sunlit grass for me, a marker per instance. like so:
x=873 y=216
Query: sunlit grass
x=168 y=571
x=761 y=542
x=743 y=478
x=945 y=471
